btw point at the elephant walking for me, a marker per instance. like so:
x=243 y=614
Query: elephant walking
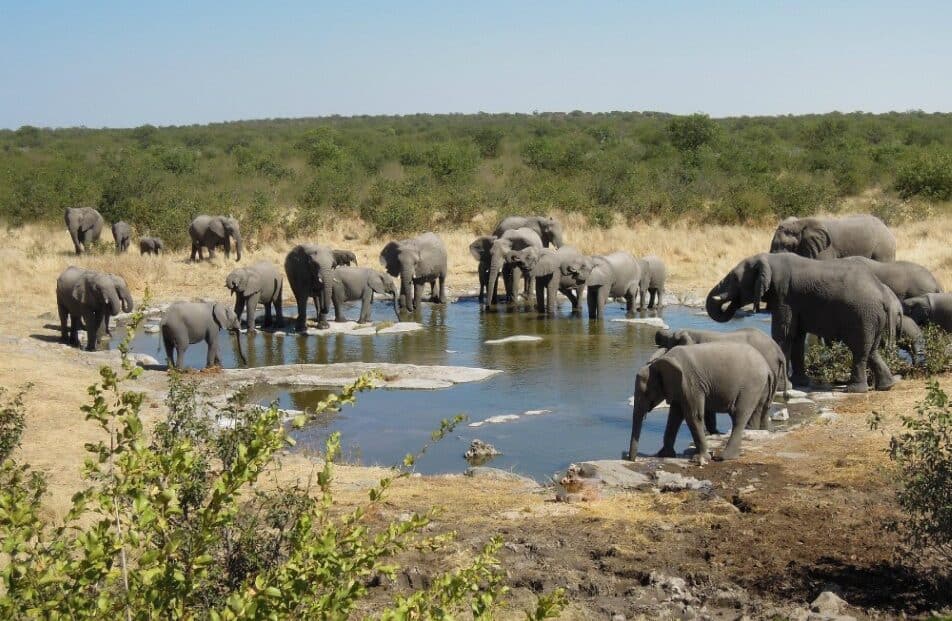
x=86 y=298
x=493 y=256
x=831 y=299
x=653 y=275
x=151 y=245
x=261 y=282
x=548 y=229
x=614 y=275
x=417 y=261
x=308 y=267
x=833 y=238
x=122 y=235
x=210 y=232
x=85 y=226
x=186 y=323
x=349 y=284
x=727 y=377
x=931 y=308
x=554 y=271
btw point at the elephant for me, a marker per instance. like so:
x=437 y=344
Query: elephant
x=724 y=376
x=85 y=298
x=186 y=323
x=653 y=275
x=613 y=275
x=349 y=284
x=766 y=346
x=417 y=261
x=833 y=238
x=213 y=231
x=553 y=271
x=85 y=226
x=906 y=279
x=344 y=257
x=122 y=235
x=835 y=300
x=548 y=229
x=308 y=267
x=151 y=245
x=910 y=337
x=492 y=254
x=931 y=308
x=261 y=282
x=125 y=296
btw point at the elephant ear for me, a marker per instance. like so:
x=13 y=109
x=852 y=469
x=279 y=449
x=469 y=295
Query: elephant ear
x=814 y=239
x=252 y=283
x=481 y=246
x=376 y=282
x=389 y=258
x=683 y=337
x=762 y=279
x=81 y=292
x=219 y=315
x=217 y=226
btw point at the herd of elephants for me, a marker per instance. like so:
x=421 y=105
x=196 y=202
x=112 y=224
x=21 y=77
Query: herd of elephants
x=835 y=278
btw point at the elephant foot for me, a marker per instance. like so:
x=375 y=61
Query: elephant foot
x=363 y=321
x=886 y=385
x=857 y=387
x=323 y=325
x=800 y=380
x=725 y=456
x=699 y=459
x=666 y=452
x=714 y=432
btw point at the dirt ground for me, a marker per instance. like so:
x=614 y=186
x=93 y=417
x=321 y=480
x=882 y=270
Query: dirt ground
x=784 y=522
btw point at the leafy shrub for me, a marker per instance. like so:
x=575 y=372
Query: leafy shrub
x=176 y=160
x=793 y=196
x=923 y=455
x=320 y=146
x=488 y=139
x=44 y=192
x=741 y=205
x=451 y=161
x=894 y=212
x=937 y=350
x=398 y=206
x=556 y=154
x=12 y=420
x=928 y=176
x=690 y=133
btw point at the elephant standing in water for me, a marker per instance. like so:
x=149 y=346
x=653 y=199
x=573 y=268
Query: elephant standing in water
x=727 y=377
x=766 y=346
x=349 y=284
x=614 y=275
x=833 y=238
x=931 y=308
x=653 y=275
x=308 y=267
x=86 y=298
x=261 y=282
x=835 y=300
x=84 y=225
x=212 y=231
x=548 y=229
x=151 y=245
x=906 y=279
x=122 y=235
x=554 y=271
x=417 y=261
x=493 y=256
x=186 y=323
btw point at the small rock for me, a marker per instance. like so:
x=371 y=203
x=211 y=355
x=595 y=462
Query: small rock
x=675 y=587
x=828 y=416
x=798 y=400
x=519 y=338
x=151 y=328
x=656 y=322
x=495 y=474
x=480 y=451
x=618 y=617
x=312 y=332
x=793 y=393
x=780 y=415
x=828 y=602
x=674 y=482
x=614 y=473
x=536 y=412
x=144 y=360
x=501 y=418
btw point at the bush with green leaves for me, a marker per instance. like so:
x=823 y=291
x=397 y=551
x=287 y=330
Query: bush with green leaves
x=12 y=419
x=178 y=527
x=929 y=175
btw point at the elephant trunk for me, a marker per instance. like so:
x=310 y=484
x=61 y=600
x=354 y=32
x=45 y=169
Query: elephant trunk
x=396 y=303
x=495 y=266
x=114 y=303
x=637 y=419
x=715 y=307
x=406 y=287
x=127 y=303
x=241 y=354
x=237 y=246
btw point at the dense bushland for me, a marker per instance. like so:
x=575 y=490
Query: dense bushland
x=409 y=173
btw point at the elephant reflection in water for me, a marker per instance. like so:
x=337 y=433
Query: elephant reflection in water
x=264 y=349
x=311 y=350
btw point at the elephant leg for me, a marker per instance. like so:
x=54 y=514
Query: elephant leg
x=441 y=279
x=278 y=302
x=252 y=311
x=858 y=382
x=552 y=295
x=739 y=417
x=268 y=321
x=417 y=295
x=710 y=422
x=593 y=302
x=694 y=416
x=365 y=303
x=572 y=296
x=629 y=303
x=641 y=299
x=602 y=300
x=322 y=302
x=540 y=294
x=93 y=323
x=883 y=377
x=671 y=427
x=212 y=358
x=300 y=324
x=64 y=318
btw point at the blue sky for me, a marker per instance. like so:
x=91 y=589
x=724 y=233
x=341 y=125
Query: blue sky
x=122 y=64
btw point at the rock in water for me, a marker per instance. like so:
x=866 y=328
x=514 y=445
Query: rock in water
x=519 y=338
x=480 y=452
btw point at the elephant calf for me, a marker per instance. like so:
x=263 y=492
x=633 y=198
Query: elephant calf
x=151 y=245
x=186 y=323
x=493 y=254
x=720 y=377
x=261 y=282
x=614 y=275
x=931 y=308
x=349 y=284
x=554 y=271
x=653 y=274
x=344 y=257
x=122 y=235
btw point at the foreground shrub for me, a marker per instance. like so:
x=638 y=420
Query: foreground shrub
x=928 y=176
x=12 y=420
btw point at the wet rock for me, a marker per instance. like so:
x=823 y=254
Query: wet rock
x=495 y=420
x=780 y=415
x=480 y=451
x=144 y=360
x=675 y=482
x=151 y=328
x=798 y=400
x=280 y=333
x=656 y=322
x=614 y=474
x=536 y=412
x=828 y=602
x=518 y=338
x=496 y=474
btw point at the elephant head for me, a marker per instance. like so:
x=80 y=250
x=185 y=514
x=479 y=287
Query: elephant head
x=649 y=392
x=243 y=282
x=550 y=230
x=600 y=273
x=344 y=257
x=748 y=283
x=480 y=248
x=226 y=228
x=384 y=284
x=806 y=237
x=919 y=308
x=668 y=338
x=579 y=269
x=526 y=259
x=400 y=258
x=226 y=319
x=122 y=289
x=98 y=292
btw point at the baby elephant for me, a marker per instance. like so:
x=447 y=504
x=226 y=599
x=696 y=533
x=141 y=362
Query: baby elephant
x=151 y=245
x=349 y=284
x=722 y=376
x=186 y=323
x=344 y=257
x=262 y=282
x=122 y=235
x=653 y=275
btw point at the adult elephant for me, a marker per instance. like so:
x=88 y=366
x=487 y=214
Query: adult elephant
x=84 y=225
x=835 y=300
x=931 y=308
x=211 y=232
x=654 y=273
x=549 y=230
x=554 y=271
x=766 y=346
x=834 y=238
x=85 y=298
x=186 y=323
x=727 y=377
x=308 y=267
x=122 y=235
x=260 y=282
x=613 y=275
x=417 y=261
x=492 y=254
x=905 y=278
x=349 y=284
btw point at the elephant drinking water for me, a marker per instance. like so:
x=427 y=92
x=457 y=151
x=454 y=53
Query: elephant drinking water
x=308 y=267
x=554 y=271
x=493 y=256
x=261 y=282
x=360 y=283
x=417 y=261
x=186 y=323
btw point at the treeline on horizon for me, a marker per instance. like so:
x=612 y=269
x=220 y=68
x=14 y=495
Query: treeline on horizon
x=404 y=174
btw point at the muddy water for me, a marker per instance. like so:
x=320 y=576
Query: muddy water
x=576 y=383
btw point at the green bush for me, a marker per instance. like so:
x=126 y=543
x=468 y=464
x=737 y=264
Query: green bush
x=177 y=527
x=793 y=196
x=399 y=206
x=452 y=162
x=690 y=133
x=488 y=139
x=12 y=420
x=928 y=176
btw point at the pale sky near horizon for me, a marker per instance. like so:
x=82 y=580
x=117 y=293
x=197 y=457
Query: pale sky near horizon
x=123 y=64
